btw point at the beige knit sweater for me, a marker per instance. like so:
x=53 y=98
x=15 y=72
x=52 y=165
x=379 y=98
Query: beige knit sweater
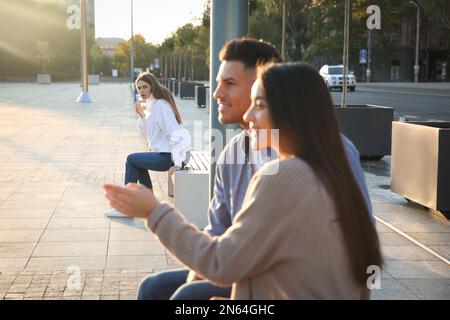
x=285 y=242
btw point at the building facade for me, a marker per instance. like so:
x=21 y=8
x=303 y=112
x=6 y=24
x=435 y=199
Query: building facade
x=434 y=54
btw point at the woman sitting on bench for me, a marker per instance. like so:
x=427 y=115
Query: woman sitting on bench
x=160 y=125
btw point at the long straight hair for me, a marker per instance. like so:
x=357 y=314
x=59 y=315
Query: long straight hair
x=159 y=92
x=301 y=107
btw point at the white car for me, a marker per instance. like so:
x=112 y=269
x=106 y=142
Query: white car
x=333 y=77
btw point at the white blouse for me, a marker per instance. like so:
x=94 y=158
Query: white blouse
x=162 y=131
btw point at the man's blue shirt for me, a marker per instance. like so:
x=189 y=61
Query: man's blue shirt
x=234 y=170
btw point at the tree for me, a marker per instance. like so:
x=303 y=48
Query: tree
x=438 y=11
x=28 y=21
x=144 y=54
x=96 y=57
x=44 y=54
x=191 y=41
x=184 y=40
x=325 y=31
x=265 y=13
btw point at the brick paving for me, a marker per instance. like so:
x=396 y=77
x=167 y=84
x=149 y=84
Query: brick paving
x=55 y=242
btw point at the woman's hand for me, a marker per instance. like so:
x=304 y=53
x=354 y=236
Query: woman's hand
x=133 y=200
x=139 y=110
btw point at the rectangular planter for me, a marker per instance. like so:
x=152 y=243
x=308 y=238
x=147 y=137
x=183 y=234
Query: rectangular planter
x=200 y=96
x=173 y=85
x=44 y=78
x=368 y=127
x=94 y=79
x=420 y=163
x=176 y=87
x=187 y=89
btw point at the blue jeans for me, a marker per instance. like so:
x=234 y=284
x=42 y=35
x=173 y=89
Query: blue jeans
x=172 y=285
x=138 y=164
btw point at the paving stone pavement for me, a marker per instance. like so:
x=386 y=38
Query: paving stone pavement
x=55 y=242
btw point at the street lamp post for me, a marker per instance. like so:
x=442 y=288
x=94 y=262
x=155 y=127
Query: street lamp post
x=369 y=56
x=345 y=55
x=283 y=33
x=84 y=96
x=179 y=66
x=132 y=47
x=416 y=64
x=229 y=20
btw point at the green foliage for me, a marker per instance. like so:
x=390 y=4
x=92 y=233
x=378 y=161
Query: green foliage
x=266 y=23
x=44 y=54
x=96 y=57
x=191 y=42
x=438 y=12
x=326 y=24
x=144 y=55
x=34 y=37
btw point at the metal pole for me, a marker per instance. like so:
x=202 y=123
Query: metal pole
x=84 y=79
x=416 y=66
x=165 y=67
x=416 y=63
x=192 y=66
x=84 y=96
x=185 y=67
x=283 y=33
x=229 y=20
x=345 y=56
x=174 y=67
x=132 y=47
x=179 y=66
x=167 y=75
x=369 y=56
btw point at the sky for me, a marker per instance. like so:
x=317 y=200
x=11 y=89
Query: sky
x=154 y=19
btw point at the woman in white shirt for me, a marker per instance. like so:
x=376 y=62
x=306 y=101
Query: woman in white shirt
x=160 y=125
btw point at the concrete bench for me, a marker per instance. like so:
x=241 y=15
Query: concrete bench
x=190 y=186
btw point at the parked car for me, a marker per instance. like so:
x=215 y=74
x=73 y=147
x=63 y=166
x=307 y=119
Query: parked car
x=333 y=77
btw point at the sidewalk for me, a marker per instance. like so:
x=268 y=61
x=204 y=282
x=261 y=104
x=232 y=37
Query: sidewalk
x=411 y=272
x=55 y=153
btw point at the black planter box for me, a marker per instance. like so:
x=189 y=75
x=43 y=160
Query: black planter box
x=176 y=87
x=420 y=163
x=200 y=96
x=369 y=127
x=171 y=85
x=187 y=89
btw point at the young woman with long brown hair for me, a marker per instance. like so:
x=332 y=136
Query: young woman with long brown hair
x=160 y=125
x=304 y=230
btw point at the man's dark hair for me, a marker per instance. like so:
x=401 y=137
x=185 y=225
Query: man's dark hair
x=250 y=52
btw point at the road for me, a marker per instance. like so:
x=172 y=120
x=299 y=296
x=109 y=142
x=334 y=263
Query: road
x=424 y=101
